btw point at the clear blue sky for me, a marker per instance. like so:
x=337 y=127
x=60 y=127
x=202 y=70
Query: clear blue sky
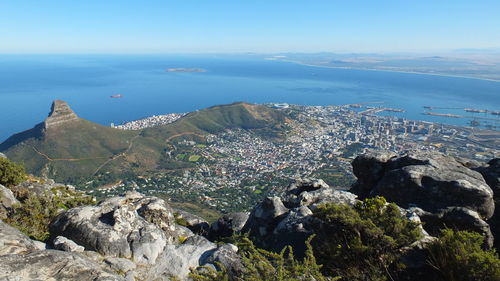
x=184 y=26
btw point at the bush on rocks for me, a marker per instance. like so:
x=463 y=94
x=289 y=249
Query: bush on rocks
x=259 y=264
x=34 y=213
x=355 y=242
x=11 y=173
x=458 y=256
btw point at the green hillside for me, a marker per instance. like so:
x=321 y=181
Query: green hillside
x=70 y=149
x=218 y=118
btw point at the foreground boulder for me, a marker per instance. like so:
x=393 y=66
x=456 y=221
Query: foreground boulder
x=22 y=259
x=446 y=191
x=52 y=265
x=177 y=260
x=275 y=223
x=491 y=173
x=455 y=218
x=138 y=236
x=13 y=241
x=430 y=181
x=7 y=200
x=227 y=256
x=132 y=226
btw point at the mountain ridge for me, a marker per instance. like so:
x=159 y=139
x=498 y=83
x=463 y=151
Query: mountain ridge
x=67 y=147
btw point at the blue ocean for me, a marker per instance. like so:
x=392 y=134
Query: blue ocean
x=29 y=83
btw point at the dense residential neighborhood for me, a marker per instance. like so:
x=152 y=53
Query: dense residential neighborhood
x=234 y=169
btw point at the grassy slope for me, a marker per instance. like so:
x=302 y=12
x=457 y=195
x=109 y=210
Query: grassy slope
x=218 y=118
x=76 y=148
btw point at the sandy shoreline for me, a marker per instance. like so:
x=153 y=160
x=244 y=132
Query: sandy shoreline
x=396 y=71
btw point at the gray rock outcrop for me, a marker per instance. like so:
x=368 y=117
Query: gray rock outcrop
x=431 y=181
x=13 y=241
x=455 y=218
x=369 y=168
x=59 y=114
x=445 y=189
x=265 y=216
x=227 y=256
x=133 y=226
x=491 y=174
x=22 y=259
x=120 y=264
x=313 y=192
x=177 y=260
x=194 y=223
x=64 y=244
x=135 y=235
x=228 y=225
x=274 y=223
x=52 y=265
x=7 y=200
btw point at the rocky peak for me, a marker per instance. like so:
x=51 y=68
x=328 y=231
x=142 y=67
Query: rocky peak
x=60 y=113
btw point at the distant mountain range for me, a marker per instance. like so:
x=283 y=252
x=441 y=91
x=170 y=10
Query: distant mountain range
x=70 y=149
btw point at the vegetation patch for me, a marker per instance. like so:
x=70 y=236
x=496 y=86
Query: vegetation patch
x=210 y=215
x=35 y=212
x=259 y=264
x=180 y=220
x=194 y=158
x=11 y=173
x=458 y=256
x=364 y=240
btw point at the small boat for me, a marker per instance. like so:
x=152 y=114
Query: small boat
x=116 y=96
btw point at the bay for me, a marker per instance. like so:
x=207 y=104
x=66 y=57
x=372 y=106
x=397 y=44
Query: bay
x=29 y=83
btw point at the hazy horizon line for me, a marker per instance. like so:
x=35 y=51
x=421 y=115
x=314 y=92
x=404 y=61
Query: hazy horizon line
x=493 y=50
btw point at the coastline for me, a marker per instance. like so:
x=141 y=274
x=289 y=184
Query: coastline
x=395 y=71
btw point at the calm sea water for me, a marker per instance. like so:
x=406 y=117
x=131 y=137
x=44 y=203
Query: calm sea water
x=28 y=84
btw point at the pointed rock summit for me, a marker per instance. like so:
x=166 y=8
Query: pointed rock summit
x=60 y=113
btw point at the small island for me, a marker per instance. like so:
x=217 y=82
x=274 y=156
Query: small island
x=183 y=69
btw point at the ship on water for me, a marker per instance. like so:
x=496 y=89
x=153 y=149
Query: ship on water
x=116 y=96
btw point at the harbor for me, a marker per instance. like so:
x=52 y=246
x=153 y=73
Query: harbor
x=476 y=117
x=374 y=110
x=469 y=110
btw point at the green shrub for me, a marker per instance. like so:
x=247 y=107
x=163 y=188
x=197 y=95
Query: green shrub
x=259 y=264
x=11 y=173
x=33 y=215
x=180 y=220
x=458 y=256
x=66 y=198
x=206 y=273
x=362 y=242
